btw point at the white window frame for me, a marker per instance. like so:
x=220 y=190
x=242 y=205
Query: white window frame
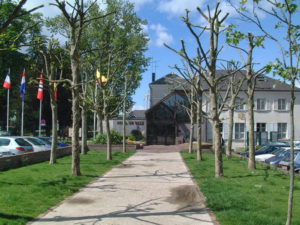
x=239 y=130
x=281 y=104
x=282 y=130
x=259 y=102
x=239 y=106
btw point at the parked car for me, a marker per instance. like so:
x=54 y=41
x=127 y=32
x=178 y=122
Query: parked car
x=37 y=144
x=264 y=157
x=268 y=148
x=16 y=145
x=286 y=162
x=59 y=144
x=275 y=160
x=4 y=152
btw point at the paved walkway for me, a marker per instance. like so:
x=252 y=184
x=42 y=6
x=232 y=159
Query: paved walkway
x=151 y=187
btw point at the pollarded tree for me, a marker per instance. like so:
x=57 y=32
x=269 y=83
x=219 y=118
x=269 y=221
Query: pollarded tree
x=71 y=24
x=121 y=59
x=205 y=64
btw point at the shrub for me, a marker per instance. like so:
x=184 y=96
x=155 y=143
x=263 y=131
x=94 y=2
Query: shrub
x=116 y=138
x=136 y=135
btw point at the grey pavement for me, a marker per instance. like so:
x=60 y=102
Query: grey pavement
x=151 y=187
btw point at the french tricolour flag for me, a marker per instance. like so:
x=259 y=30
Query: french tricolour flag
x=7 y=84
x=23 y=86
x=40 y=94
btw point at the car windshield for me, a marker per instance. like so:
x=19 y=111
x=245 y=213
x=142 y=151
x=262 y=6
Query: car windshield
x=35 y=141
x=22 y=142
x=4 y=142
x=262 y=149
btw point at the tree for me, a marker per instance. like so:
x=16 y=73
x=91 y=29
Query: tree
x=75 y=22
x=16 y=25
x=234 y=37
x=235 y=84
x=205 y=65
x=121 y=59
x=52 y=56
x=287 y=65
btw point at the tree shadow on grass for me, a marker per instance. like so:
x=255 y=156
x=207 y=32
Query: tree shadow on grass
x=15 y=217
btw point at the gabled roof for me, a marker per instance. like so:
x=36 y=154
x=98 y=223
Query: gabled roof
x=263 y=82
x=137 y=114
x=170 y=78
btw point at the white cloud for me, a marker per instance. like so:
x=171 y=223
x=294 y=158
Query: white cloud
x=139 y=3
x=161 y=35
x=177 y=7
x=138 y=107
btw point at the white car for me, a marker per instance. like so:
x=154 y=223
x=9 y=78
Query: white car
x=264 y=157
x=16 y=145
x=4 y=152
x=37 y=144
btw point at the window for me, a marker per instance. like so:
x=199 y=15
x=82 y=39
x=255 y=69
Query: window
x=261 y=127
x=281 y=104
x=239 y=104
x=282 y=129
x=239 y=129
x=261 y=104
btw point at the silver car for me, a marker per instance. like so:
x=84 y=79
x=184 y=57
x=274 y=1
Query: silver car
x=16 y=145
x=37 y=144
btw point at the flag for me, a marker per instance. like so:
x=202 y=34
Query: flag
x=55 y=91
x=100 y=79
x=23 y=86
x=40 y=94
x=7 y=84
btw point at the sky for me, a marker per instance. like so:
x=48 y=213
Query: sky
x=165 y=26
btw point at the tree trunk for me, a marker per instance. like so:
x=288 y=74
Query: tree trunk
x=192 y=118
x=54 y=125
x=230 y=132
x=216 y=134
x=108 y=136
x=124 y=116
x=250 y=91
x=84 y=146
x=251 y=164
x=100 y=122
x=75 y=106
x=199 y=128
x=191 y=130
x=109 y=154
x=292 y=166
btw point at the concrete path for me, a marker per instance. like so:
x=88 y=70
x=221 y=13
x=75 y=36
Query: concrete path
x=151 y=187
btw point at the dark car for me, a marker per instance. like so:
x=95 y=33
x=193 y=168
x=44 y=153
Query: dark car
x=59 y=144
x=270 y=147
x=274 y=161
x=286 y=162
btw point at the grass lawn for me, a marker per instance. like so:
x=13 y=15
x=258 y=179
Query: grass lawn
x=29 y=191
x=245 y=197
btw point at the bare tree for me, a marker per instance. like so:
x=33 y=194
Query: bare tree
x=207 y=71
x=52 y=58
x=235 y=83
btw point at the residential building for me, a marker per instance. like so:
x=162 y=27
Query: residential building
x=167 y=119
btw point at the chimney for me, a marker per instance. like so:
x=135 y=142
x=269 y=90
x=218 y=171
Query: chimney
x=153 y=77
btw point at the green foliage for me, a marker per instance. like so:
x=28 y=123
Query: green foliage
x=26 y=192
x=136 y=135
x=244 y=196
x=116 y=138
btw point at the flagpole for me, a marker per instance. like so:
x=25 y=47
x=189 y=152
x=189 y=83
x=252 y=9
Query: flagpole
x=22 y=119
x=7 y=117
x=40 y=117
